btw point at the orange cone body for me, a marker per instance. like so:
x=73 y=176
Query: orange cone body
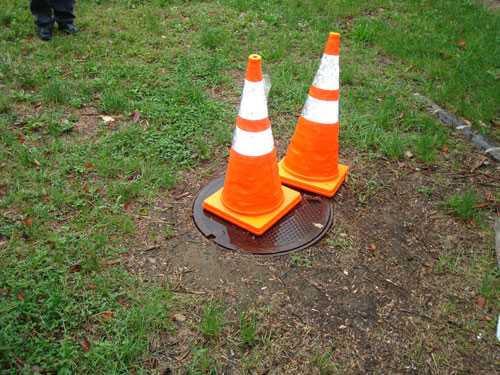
x=311 y=162
x=252 y=197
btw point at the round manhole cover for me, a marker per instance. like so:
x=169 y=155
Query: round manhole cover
x=299 y=229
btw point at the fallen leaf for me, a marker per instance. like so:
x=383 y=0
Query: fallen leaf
x=481 y=301
x=106 y=315
x=461 y=43
x=20 y=297
x=88 y=165
x=127 y=205
x=85 y=344
x=36 y=162
x=372 y=247
x=20 y=138
x=107 y=119
x=479 y=163
x=408 y=154
x=179 y=318
x=75 y=268
x=28 y=221
x=136 y=116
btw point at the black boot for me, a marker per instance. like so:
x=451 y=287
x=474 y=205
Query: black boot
x=68 y=28
x=44 y=32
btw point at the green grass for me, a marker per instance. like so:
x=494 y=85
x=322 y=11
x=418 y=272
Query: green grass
x=324 y=364
x=248 y=329
x=202 y=363
x=464 y=205
x=62 y=218
x=212 y=320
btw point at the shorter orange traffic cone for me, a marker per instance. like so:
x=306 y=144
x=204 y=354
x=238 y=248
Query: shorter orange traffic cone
x=311 y=161
x=252 y=197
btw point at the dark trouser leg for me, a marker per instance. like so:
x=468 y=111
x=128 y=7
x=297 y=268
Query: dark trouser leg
x=42 y=11
x=63 y=11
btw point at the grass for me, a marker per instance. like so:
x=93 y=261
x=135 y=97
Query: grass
x=324 y=364
x=212 y=320
x=248 y=329
x=67 y=304
x=202 y=363
x=464 y=205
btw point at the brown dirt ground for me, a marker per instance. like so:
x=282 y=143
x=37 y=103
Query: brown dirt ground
x=372 y=293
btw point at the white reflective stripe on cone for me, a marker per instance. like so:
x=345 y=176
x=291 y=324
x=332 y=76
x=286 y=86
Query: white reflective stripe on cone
x=327 y=77
x=322 y=111
x=253 y=143
x=253 y=101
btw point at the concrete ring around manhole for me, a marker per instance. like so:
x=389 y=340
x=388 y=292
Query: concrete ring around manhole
x=299 y=229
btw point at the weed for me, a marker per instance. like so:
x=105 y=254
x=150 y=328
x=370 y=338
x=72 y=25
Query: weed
x=300 y=261
x=324 y=363
x=340 y=242
x=464 y=205
x=56 y=91
x=490 y=285
x=363 y=32
x=202 y=363
x=426 y=191
x=248 y=329
x=214 y=37
x=113 y=101
x=212 y=320
x=4 y=104
x=392 y=145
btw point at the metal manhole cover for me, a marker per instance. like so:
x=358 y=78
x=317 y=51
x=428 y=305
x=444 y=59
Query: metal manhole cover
x=299 y=229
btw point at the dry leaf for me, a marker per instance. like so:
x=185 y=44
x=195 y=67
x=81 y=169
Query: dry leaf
x=75 y=268
x=106 y=315
x=28 y=221
x=179 y=318
x=20 y=138
x=107 y=119
x=372 y=247
x=481 y=301
x=136 y=116
x=88 y=165
x=20 y=297
x=85 y=344
x=36 y=162
x=408 y=154
x=461 y=43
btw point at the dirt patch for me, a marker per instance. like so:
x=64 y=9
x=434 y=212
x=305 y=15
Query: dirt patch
x=371 y=293
x=491 y=4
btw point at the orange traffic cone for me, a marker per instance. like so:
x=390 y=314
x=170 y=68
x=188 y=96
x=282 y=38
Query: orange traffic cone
x=252 y=197
x=311 y=161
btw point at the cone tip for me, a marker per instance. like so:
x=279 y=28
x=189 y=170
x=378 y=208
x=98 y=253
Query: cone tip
x=333 y=44
x=254 y=69
x=254 y=57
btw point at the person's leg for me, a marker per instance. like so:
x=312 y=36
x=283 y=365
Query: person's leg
x=44 y=19
x=42 y=12
x=63 y=12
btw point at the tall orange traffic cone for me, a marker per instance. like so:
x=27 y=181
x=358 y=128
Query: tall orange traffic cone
x=252 y=197
x=311 y=161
